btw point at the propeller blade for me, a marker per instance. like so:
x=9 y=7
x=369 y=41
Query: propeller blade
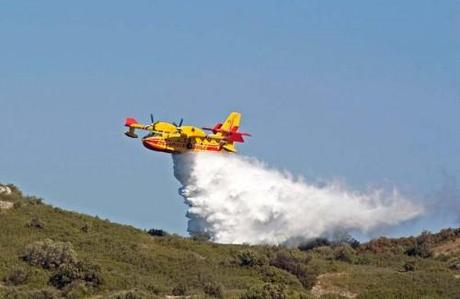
x=180 y=123
x=151 y=118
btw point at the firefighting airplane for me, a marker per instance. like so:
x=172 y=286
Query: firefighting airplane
x=176 y=138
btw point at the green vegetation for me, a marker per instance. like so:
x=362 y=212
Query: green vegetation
x=46 y=252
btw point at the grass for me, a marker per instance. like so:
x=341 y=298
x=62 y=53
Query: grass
x=130 y=263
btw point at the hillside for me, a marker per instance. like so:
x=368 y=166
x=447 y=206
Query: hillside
x=46 y=252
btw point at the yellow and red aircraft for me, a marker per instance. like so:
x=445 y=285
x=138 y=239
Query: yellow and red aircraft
x=176 y=138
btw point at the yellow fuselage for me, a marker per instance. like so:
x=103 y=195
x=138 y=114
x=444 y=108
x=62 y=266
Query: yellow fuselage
x=168 y=138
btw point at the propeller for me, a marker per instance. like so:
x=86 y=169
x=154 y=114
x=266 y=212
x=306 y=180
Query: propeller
x=152 y=120
x=180 y=123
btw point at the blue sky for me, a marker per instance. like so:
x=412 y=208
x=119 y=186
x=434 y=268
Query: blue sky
x=363 y=91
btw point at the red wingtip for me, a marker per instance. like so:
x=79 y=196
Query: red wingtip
x=129 y=121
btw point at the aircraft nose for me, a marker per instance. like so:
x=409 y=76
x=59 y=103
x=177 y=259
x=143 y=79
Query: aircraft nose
x=148 y=144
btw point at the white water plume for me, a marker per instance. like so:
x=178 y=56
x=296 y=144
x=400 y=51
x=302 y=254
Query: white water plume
x=237 y=199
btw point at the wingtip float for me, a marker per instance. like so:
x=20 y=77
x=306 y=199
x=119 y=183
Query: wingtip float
x=170 y=137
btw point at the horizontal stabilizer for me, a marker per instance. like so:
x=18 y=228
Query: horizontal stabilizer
x=130 y=121
x=230 y=135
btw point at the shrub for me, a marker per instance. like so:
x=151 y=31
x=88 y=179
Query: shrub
x=202 y=237
x=214 y=289
x=76 y=290
x=130 y=294
x=36 y=223
x=49 y=254
x=388 y=246
x=422 y=245
x=454 y=264
x=47 y=293
x=249 y=258
x=266 y=291
x=179 y=290
x=155 y=289
x=36 y=200
x=442 y=257
x=448 y=234
x=157 y=232
x=325 y=252
x=422 y=250
x=286 y=261
x=409 y=266
x=18 y=204
x=354 y=243
x=17 y=276
x=86 y=228
x=73 y=272
x=273 y=275
x=365 y=259
x=345 y=253
x=317 y=242
x=343 y=238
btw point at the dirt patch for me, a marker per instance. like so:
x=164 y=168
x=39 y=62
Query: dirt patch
x=447 y=248
x=5 y=205
x=325 y=285
x=5 y=190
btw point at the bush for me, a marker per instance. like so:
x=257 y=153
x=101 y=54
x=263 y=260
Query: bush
x=422 y=250
x=130 y=294
x=202 y=237
x=344 y=238
x=179 y=290
x=345 y=253
x=249 y=258
x=86 y=228
x=68 y=273
x=157 y=232
x=454 y=264
x=49 y=254
x=18 y=204
x=266 y=291
x=48 y=293
x=422 y=246
x=17 y=276
x=286 y=261
x=442 y=257
x=214 y=289
x=317 y=242
x=325 y=251
x=76 y=290
x=409 y=266
x=36 y=223
x=155 y=289
x=272 y=274
x=341 y=238
x=36 y=200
